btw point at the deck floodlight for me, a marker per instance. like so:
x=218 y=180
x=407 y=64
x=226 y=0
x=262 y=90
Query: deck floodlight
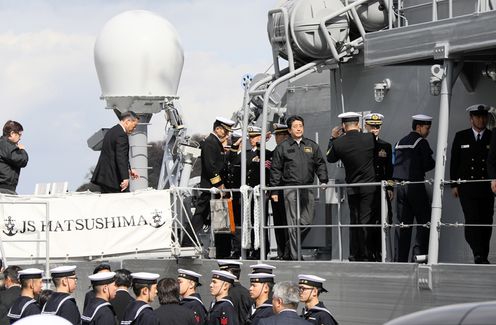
x=437 y=75
x=381 y=89
x=490 y=71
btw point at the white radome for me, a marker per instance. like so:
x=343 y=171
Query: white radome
x=139 y=54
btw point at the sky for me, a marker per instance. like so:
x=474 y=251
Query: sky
x=49 y=84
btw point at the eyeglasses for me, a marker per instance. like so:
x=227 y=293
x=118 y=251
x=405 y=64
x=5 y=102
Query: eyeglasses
x=303 y=289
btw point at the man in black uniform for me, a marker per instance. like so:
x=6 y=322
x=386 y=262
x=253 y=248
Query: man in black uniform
x=413 y=160
x=213 y=174
x=356 y=150
x=91 y=294
x=278 y=211
x=261 y=292
x=468 y=162
x=122 y=296
x=310 y=289
x=60 y=302
x=383 y=165
x=99 y=310
x=25 y=305
x=188 y=282
x=11 y=293
x=295 y=162
x=239 y=295
x=139 y=312
x=222 y=310
x=13 y=157
x=170 y=311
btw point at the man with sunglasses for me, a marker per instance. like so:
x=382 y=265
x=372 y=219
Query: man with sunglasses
x=13 y=157
x=61 y=303
x=310 y=287
x=383 y=165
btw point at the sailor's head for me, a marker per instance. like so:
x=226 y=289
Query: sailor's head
x=421 y=124
x=223 y=127
x=349 y=120
x=479 y=116
x=310 y=287
x=373 y=123
x=280 y=132
x=129 y=120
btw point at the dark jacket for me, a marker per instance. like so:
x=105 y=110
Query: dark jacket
x=213 y=162
x=99 y=312
x=7 y=298
x=195 y=304
x=383 y=160
x=63 y=305
x=139 y=313
x=240 y=297
x=285 y=317
x=469 y=161
x=356 y=150
x=319 y=315
x=113 y=165
x=222 y=313
x=262 y=311
x=413 y=158
x=294 y=164
x=23 y=307
x=12 y=159
x=174 y=314
x=253 y=167
x=491 y=157
x=120 y=302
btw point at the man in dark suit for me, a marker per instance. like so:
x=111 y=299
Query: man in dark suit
x=213 y=174
x=468 y=162
x=285 y=302
x=356 y=150
x=112 y=171
x=383 y=166
x=122 y=296
x=170 y=311
x=11 y=293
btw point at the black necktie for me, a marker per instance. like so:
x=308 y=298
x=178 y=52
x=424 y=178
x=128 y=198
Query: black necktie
x=478 y=137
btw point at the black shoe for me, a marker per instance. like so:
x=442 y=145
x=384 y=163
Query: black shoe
x=480 y=260
x=234 y=256
x=278 y=258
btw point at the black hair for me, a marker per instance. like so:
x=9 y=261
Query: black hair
x=123 y=278
x=102 y=266
x=168 y=291
x=137 y=287
x=11 y=126
x=12 y=272
x=293 y=118
x=43 y=297
x=56 y=281
x=420 y=123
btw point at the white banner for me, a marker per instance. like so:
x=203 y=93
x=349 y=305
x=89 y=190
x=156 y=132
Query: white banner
x=82 y=225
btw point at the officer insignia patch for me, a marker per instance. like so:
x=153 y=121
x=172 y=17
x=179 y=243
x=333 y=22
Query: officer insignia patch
x=307 y=149
x=382 y=153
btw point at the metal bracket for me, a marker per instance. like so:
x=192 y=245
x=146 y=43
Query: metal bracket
x=424 y=274
x=441 y=51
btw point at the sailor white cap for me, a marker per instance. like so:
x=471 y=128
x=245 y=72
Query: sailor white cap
x=102 y=278
x=349 y=117
x=237 y=134
x=190 y=275
x=422 y=118
x=373 y=119
x=254 y=130
x=262 y=268
x=225 y=123
x=145 y=277
x=224 y=276
x=31 y=273
x=312 y=280
x=279 y=128
x=476 y=109
x=229 y=264
x=63 y=271
x=261 y=277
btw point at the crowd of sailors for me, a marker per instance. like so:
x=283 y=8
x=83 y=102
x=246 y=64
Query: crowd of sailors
x=367 y=158
x=122 y=297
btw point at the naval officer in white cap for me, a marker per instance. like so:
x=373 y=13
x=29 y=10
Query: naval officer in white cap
x=61 y=303
x=261 y=285
x=213 y=173
x=25 y=305
x=99 y=311
x=413 y=158
x=139 y=312
x=356 y=150
x=311 y=286
x=222 y=310
x=469 y=161
x=188 y=282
